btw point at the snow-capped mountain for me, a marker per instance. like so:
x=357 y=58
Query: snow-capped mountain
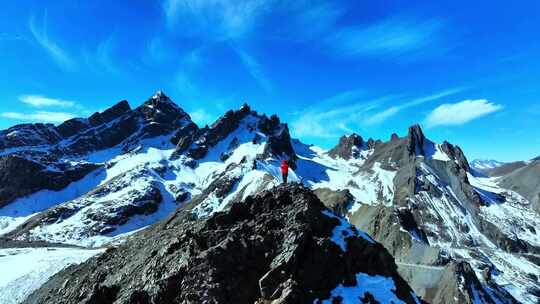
x=456 y=237
x=485 y=164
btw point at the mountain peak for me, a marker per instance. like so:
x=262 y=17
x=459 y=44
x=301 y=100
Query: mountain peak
x=347 y=147
x=245 y=107
x=159 y=95
x=160 y=101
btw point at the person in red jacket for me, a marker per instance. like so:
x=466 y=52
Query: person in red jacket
x=284 y=170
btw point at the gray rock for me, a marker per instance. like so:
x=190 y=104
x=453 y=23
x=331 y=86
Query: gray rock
x=339 y=201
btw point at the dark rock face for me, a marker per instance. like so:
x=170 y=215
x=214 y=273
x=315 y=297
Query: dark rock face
x=274 y=247
x=347 y=147
x=227 y=124
x=110 y=114
x=279 y=144
x=415 y=140
x=28 y=135
x=72 y=127
x=104 y=136
x=20 y=176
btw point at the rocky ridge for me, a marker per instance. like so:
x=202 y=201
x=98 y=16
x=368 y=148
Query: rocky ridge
x=280 y=246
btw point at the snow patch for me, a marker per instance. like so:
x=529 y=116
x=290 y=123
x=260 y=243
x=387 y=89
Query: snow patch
x=380 y=287
x=25 y=269
x=345 y=230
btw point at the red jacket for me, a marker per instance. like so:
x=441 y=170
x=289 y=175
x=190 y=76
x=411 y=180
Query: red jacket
x=284 y=167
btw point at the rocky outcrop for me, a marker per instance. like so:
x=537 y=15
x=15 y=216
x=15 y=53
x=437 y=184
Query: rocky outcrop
x=281 y=246
x=337 y=200
x=195 y=143
x=279 y=140
x=455 y=153
x=459 y=284
x=348 y=147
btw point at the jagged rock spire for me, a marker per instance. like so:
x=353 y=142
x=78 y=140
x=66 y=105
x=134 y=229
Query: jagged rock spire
x=415 y=140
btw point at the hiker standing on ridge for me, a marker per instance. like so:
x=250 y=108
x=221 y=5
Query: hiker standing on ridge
x=284 y=170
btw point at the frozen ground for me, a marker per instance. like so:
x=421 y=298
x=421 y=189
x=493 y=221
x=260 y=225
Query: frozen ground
x=23 y=270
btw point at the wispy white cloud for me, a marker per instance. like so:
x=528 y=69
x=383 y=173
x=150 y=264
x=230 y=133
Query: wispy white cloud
x=391 y=111
x=343 y=98
x=393 y=36
x=39 y=116
x=185 y=85
x=157 y=51
x=450 y=114
x=202 y=117
x=315 y=19
x=104 y=55
x=39 y=101
x=224 y=19
x=101 y=58
x=255 y=69
x=336 y=115
x=40 y=34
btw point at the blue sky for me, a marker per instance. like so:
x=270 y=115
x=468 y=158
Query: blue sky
x=467 y=72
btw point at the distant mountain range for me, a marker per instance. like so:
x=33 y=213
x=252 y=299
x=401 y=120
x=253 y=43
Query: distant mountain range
x=485 y=164
x=153 y=187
